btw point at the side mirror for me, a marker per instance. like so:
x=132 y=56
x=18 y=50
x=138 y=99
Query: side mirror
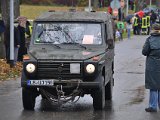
x=110 y=43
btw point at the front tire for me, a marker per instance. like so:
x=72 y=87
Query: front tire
x=109 y=90
x=99 y=95
x=28 y=99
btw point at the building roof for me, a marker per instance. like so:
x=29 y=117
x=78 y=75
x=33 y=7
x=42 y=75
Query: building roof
x=74 y=16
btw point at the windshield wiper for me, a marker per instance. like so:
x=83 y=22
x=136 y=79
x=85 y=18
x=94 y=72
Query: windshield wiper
x=71 y=43
x=57 y=46
x=39 y=35
x=51 y=44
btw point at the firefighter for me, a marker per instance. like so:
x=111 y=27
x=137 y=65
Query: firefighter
x=28 y=30
x=28 y=33
x=144 y=25
x=148 y=23
x=136 y=29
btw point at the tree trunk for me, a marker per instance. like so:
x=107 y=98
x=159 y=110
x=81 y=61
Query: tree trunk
x=16 y=8
x=140 y=4
x=5 y=8
x=95 y=4
x=158 y=3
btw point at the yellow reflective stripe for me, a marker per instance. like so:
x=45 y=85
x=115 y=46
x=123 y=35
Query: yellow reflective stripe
x=136 y=22
x=30 y=29
x=148 y=20
x=144 y=22
x=26 y=35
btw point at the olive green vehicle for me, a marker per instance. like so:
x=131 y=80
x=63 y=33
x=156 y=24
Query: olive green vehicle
x=70 y=54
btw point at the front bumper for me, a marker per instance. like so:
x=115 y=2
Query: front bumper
x=66 y=84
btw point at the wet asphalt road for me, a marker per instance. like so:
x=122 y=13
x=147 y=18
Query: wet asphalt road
x=129 y=97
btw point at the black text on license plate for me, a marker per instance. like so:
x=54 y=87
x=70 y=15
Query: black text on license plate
x=40 y=82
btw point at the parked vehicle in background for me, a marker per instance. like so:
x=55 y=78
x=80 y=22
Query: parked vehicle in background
x=149 y=9
x=71 y=54
x=158 y=16
x=156 y=10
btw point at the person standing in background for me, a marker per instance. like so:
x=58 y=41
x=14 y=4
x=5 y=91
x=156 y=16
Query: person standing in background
x=136 y=25
x=16 y=45
x=2 y=26
x=151 y=50
x=118 y=36
x=121 y=31
x=129 y=27
x=101 y=3
x=148 y=23
x=153 y=17
x=22 y=29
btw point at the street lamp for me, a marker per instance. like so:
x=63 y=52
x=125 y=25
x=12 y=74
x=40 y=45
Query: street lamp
x=89 y=5
x=127 y=7
x=72 y=3
x=150 y=3
x=11 y=32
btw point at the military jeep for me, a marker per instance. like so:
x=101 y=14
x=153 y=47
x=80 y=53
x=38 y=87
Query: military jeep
x=70 y=54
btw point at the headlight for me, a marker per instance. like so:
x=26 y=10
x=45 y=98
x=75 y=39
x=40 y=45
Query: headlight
x=90 y=68
x=30 y=68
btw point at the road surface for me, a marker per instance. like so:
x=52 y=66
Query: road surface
x=129 y=96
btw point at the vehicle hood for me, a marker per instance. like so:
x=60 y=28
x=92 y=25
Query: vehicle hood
x=66 y=54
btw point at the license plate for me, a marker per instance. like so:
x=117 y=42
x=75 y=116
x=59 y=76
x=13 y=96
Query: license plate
x=40 y=82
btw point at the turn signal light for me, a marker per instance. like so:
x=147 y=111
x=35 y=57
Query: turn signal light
x=26 y=57
x=95 y=58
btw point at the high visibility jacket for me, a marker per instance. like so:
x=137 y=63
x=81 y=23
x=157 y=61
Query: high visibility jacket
x=30 y=29
x=148 y=21
x=135 y=21
x=144 y=22
x=28 y=33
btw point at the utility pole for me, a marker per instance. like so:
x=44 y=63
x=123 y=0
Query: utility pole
x=11 y=32
x=5 y=11
x=127 y=7
x=89 y=5
x=72 y=4
x=150 y=3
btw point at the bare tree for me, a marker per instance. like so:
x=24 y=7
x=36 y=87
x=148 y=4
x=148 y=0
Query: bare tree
x=95 y=4
x=140 y=4
x=5 y=11
x=158 y=3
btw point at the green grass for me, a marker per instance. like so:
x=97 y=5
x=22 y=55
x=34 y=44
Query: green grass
x=102 y=9
x=125 y=34
x=33 y=11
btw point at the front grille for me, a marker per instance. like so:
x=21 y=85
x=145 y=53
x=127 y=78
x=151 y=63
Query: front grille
x=56 y=70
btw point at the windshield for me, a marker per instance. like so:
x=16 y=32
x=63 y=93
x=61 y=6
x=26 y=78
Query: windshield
x=62 y=33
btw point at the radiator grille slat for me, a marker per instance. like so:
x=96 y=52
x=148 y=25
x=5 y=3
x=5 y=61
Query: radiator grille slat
x=47 y=69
